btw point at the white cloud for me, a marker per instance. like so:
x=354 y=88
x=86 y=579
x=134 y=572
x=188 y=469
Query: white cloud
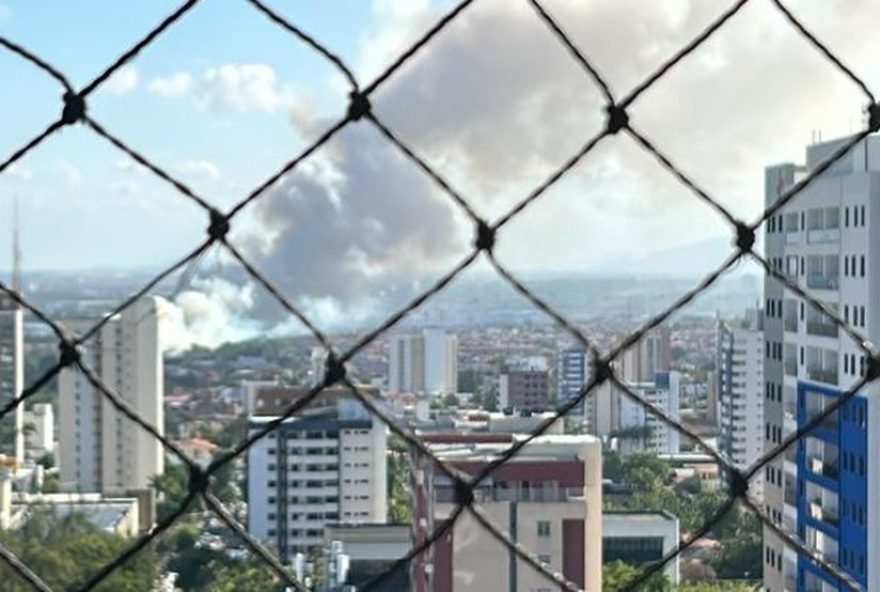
x=69 y=173
x=19 y=172
x=179 y=84
x=123 y=81
x=230 y=87
x=200 y=168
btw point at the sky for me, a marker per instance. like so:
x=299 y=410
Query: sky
x=495 y=103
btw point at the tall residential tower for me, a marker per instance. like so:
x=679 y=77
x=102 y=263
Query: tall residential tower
x=739 y=375
x=826 y=490
x=423 y=362
x=100 y=448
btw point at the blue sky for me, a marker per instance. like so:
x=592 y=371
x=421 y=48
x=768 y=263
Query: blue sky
x=495 y=103
x=80 y=199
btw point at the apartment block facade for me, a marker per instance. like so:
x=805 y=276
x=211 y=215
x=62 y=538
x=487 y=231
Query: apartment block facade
x=548 y=498
x=324 y=466
x=423 y=362
x=100 y=449
x=739 y=379
x=826 y=489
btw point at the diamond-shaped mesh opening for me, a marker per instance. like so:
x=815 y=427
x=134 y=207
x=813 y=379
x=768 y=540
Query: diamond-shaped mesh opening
x=806 y=435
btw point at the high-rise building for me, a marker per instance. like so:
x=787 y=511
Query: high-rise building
x=826 y=489
x=740 y=387
x=572 y=374
x=11 y=377
x=636 y=428
x=525 y=386
x=325 y=465
x=652 y=354
x=638 y=364
x=424 y=362
x=100 y=448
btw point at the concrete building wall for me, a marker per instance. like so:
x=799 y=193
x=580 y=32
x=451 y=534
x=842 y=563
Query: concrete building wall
x=740 y=366
x=424 y=362
x=40 y=429
x=101 y=448
x=828 y=241
x=314 y=471
x=549 y=500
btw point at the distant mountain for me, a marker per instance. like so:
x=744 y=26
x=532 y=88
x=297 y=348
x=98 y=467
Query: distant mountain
x=694 y=259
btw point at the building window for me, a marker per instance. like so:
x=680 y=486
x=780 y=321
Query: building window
x=543 y=528
x=544 y=559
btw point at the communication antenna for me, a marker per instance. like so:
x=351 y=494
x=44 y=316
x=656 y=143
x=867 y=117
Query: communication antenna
x=16 y=247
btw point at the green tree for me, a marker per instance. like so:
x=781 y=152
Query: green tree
x=65 y=552
x=399 y=500
x=172 y=487
x=618 y=576
x=241 y=577
x=450 y=400
x=47 y=461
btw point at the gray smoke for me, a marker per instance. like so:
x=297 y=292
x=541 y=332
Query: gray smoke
x=352 y=225
x=495 y=103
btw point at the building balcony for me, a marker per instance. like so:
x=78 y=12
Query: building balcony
x=826 y=375
x=791 y=367
x=822 y=467
x=827 y=515
x=790 y=324
x=823 y=282
x=792 y=237
x=822 y=328
x=824 y=235
x=791 y=496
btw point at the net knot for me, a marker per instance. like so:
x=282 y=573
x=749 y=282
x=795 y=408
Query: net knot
x=617 y=118
x=485 y=240
x=874 y=117
x=602 y=371
x=335 y=371
x=69 y=354
x=739 y=485
x=74 y=108
x=198 y=480
x=872 y=367
x=359 y=106
x=464 y=493
x=745 y=237
x=219 y=226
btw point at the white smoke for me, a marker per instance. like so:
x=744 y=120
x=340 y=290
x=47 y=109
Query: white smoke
x=209 y=313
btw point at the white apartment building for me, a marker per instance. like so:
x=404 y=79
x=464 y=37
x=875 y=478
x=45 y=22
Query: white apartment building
x=11 y=377
x=826 y=489
x=100 y=449
x=39 y=430
x=740 y=387
x=637 y=429
x=424 y=362
x=324 y=466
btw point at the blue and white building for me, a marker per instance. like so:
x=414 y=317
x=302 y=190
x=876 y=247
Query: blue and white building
x=826 y=489
x=326 y=465
x=572 y=374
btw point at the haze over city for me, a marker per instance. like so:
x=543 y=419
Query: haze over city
x=539 y=294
